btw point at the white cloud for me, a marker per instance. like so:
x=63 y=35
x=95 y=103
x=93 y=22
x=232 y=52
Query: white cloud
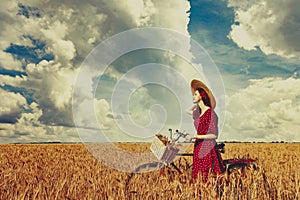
x=271 y=25
x=70 y=31
x=28 y=128
x=51 y=82
x=7 y=61
x=267 y=110
x=64 y=49
x=11 y=106
x=143 y=111
x=12 y=81
x=55 y=31
x=8 y=34
x=172 y=14
x=140 y=11
x=102 y=111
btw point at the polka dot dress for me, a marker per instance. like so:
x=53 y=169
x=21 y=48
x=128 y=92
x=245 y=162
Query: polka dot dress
x=206 y=157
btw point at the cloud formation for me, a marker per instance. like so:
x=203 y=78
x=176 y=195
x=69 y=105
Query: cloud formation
x=68 y=32
x=267 y=110
x=11 y=105
x=273 y=26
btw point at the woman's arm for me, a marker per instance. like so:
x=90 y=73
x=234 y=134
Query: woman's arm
x=206 y=136
x=190 y=110
x=209 y=136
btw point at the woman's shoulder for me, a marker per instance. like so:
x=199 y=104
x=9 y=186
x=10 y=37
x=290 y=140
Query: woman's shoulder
x=211 y=112
x=214 y=114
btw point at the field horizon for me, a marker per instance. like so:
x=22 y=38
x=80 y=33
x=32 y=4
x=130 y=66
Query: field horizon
x=130 y=142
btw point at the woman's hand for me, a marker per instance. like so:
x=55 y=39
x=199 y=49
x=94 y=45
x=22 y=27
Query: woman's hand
x=190 y=110
x=189 y=137
x=198 y=136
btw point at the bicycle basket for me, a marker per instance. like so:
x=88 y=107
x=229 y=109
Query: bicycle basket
x=163 y=152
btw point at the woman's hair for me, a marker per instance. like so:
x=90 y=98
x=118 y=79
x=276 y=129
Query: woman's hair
x=204 y=97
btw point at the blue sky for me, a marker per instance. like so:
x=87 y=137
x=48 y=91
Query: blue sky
x=254 y=45
x=210 y=25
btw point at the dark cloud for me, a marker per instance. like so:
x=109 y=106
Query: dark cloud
x=10 y=118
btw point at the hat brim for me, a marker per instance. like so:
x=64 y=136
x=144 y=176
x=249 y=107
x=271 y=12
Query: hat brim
x=196 y=84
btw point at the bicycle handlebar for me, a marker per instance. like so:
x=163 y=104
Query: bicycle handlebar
x=179 y=135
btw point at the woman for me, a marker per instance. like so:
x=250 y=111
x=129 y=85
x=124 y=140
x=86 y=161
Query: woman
x=206 y=158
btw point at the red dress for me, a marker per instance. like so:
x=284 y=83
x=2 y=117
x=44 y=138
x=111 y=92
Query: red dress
x=206 y=157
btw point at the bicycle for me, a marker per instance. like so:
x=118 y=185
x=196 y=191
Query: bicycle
x=166 y=151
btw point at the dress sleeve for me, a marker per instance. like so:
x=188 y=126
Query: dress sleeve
x=196 y=113
x=213 y=126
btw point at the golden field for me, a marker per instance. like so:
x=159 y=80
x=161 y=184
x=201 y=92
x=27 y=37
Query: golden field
x=69 y=171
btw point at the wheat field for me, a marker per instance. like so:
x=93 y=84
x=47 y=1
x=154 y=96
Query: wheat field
x=69 y=171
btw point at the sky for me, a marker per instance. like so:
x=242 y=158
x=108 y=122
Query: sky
x=53 y=87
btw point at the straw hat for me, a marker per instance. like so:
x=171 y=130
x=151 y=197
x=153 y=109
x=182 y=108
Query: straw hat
x=196 y=84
